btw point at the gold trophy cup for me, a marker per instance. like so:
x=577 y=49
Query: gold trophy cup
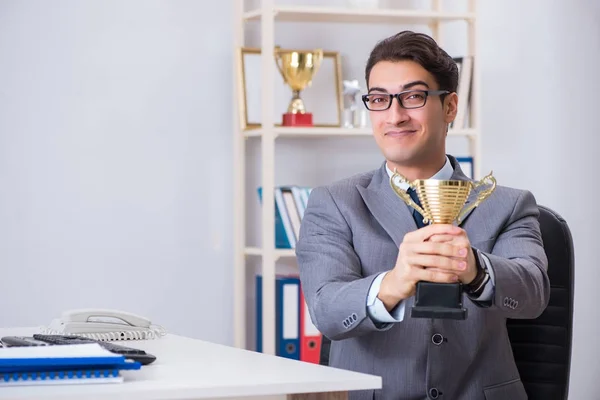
x=442 y=202
x=297 y=69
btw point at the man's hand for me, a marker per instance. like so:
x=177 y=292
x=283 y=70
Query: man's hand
x=435 y=253
x=461 y=240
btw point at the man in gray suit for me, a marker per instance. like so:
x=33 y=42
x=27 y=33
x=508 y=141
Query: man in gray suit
x=360 y=252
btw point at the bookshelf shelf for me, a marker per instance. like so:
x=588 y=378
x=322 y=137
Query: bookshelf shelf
x=312 y=132
x=291 y=13
x=268 y=135
x=279 y=253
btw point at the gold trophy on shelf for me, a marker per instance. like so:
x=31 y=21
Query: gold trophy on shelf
x=298 y=69
x=442 y=202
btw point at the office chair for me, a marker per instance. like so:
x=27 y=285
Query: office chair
x=542 y=346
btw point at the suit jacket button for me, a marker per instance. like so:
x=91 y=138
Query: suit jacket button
x=437 y=339
x=434 y=393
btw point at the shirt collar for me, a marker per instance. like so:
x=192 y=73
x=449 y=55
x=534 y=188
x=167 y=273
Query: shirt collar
x=443 y=174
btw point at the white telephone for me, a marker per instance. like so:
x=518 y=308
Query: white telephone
x=105 y=325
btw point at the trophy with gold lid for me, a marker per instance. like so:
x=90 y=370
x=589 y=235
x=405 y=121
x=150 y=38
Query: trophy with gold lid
x=298 y=69
x=442 y=202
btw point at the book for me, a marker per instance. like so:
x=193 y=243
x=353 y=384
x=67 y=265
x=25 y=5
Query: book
x=64 y=364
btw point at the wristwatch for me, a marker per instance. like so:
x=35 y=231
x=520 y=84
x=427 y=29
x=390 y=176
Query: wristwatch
x=475 y=288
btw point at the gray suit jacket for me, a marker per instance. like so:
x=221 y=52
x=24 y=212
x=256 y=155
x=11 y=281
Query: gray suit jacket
x=351 y=232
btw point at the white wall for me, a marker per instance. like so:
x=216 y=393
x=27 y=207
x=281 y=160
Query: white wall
x=540 y=108
x=115 y=161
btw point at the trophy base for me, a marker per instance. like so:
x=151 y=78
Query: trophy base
x=297 y=119
x=439 y=301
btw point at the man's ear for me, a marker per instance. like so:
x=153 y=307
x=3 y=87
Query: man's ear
x=450 y=107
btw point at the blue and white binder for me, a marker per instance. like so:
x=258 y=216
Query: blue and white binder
x=61 y=364
x=287 y=316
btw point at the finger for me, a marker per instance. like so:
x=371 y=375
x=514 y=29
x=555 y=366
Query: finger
x=442 y=249
x=439 y=262
x=445 y=271
x=423 y=234
x=431 y=275
x=442 y=238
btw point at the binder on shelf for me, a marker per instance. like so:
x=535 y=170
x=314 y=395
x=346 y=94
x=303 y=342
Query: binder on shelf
x=299 y=200
x=61 y=364
x=310 y=337
x=284 y=238
x=287 y=319
x=464 y=91
x=290 y=203
x=292 y=209
x=466 y=164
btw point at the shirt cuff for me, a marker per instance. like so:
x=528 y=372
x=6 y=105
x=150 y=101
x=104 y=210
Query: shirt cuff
x=489 y=288
x=376 y=309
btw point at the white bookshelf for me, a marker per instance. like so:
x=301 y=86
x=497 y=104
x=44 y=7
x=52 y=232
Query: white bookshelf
x=290 y=13
x=279 y=253
x=267 y=15
x=303 y=132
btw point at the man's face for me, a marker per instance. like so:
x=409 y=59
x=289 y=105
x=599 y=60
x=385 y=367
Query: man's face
x=410 y=138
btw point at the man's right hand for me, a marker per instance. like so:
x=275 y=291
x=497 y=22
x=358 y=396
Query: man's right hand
x=422 y=260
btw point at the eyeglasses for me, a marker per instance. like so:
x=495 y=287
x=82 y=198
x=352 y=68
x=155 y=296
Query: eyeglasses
x=408 y=99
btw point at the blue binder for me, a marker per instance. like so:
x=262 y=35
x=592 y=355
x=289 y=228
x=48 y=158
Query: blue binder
x=466 y=164
x=287 y=315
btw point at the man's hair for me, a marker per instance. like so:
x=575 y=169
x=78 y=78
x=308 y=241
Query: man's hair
x=420 y=48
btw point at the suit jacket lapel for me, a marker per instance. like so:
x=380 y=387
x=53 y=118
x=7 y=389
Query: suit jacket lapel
x=387 y=208
x=392 y=213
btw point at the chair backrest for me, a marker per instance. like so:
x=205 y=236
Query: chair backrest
x=542 y=346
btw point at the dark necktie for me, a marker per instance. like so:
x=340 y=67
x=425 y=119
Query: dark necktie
x=417 y=215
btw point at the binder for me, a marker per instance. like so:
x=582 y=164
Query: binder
x=310 y=337
x=292 y=210
x=466 y=164
x=61 y=364
x=286 y=217
x=287 y=316
x=284 y=237
x=299 y=200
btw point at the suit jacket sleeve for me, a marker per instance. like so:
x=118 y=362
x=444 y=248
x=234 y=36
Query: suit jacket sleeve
x=519 y=263
x=330 y=271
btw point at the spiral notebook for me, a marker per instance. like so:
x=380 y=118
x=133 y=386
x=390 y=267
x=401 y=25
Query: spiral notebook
x=65 y=364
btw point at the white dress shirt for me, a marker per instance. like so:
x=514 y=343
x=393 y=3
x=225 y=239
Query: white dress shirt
x=375 y=307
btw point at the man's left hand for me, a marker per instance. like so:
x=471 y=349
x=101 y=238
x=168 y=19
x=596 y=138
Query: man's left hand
x=460 y=240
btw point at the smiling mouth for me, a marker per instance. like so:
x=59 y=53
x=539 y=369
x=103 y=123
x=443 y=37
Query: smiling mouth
x=401 y=133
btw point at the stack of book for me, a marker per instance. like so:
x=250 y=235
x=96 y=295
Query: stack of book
x=65 y=364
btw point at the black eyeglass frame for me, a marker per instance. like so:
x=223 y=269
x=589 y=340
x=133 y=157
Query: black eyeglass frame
x=427 y=93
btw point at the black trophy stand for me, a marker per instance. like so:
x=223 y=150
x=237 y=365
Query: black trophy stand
x=438 y=301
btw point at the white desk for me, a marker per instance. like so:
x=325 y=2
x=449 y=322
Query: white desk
x=193 y=369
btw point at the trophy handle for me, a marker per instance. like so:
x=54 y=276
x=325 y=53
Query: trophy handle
x=405 y=196
x=484 y=194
